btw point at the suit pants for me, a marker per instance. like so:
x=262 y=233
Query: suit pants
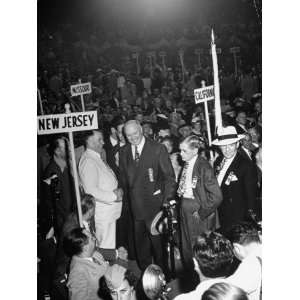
x=190 y=229
x=147 y=246
x=106 y=233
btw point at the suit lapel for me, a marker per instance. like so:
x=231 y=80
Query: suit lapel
x=145 y=153
x=231 y=168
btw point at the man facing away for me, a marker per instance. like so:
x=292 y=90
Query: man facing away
x=213 y=257
x=98 y=179
x=200 y=196
x=148 y=177
x=246 y=242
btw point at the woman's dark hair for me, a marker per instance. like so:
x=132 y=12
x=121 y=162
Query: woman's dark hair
x=74 y=241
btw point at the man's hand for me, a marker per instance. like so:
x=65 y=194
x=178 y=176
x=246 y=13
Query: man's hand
x=122 y=253
x=196 y=215
x=119 y=193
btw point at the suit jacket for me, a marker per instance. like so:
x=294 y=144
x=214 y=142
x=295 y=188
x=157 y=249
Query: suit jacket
x=63 y=261
x=83 y=281
x=111 y=155
x=150 y=182
x=98 y=180
x=239 y=193
x=207 y=192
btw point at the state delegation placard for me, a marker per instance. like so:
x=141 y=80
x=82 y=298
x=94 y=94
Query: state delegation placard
x=204 y=94
x=79 y=121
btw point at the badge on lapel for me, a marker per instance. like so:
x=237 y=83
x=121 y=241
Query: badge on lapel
x=231 y=177
x=150 y=174
x=194 y=182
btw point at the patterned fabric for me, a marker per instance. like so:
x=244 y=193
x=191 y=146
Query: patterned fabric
x=220 y=167
x=182 y=183
x=136 y=155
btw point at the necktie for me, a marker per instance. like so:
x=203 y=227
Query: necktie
x=136 y=154
x=182 y=184
x=220 y=167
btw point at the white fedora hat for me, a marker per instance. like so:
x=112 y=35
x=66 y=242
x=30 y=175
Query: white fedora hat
x=227 y=135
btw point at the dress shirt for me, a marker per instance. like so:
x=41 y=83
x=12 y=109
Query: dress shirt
x=242 y=126
x=113 y=141
x=140 y=147
x=224 y=169
x=188 y=193
x=248 y=275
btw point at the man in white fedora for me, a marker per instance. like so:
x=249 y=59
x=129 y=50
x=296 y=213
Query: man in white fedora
x=237 y=178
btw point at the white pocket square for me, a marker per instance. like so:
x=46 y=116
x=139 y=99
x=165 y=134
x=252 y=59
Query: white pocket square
x=157 y=192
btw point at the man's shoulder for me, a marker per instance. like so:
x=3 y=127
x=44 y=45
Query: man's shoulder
x=200 y=289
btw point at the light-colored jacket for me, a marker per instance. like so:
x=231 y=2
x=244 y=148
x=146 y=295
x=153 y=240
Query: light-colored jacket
x=83 y=281
x=98 y=179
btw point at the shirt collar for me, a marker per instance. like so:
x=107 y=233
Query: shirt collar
x=140 y=146
x=192 y=160
x=93 y=153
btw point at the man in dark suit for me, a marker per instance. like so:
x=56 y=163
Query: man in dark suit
x=237 y=178
x=241 y=122
x=200 y=196
x=148 y=178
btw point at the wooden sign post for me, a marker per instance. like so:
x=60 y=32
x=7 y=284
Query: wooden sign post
x=199 y=52
x=69 y=122
x=150 y=56
x=80 y=90
x=135 y=56
x=202 y=95
x=218 y=114
x=234 y=51
x=181 y=57
x=40 y=102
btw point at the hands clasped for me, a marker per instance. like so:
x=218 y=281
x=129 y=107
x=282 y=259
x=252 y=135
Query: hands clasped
x=119 y=193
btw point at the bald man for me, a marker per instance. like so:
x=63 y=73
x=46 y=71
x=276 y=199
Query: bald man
x=148 y=178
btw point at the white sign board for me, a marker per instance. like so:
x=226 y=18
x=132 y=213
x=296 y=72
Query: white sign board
x=81 y=89
x=204 y=94
x=59 y=123
x=198 y=51
x=234 y=49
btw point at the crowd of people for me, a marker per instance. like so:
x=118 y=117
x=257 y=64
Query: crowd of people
x=151 y=148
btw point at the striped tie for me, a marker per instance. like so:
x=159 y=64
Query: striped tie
x=182 y=184
x=136 y=154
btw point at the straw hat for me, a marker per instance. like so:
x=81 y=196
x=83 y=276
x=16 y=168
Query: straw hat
x=227 y=135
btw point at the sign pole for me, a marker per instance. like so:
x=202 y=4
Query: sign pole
x=218 y=114
x=181 y=53
x=137 y=64
x=81 y=96
x=68 y=110
x=235 y=64
x=207 y=124
x=40 y=101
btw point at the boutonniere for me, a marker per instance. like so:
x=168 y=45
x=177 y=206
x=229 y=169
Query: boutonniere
x=194 y=182
x=231 y=177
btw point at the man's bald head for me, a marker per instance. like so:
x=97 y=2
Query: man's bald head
x=133 y=131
